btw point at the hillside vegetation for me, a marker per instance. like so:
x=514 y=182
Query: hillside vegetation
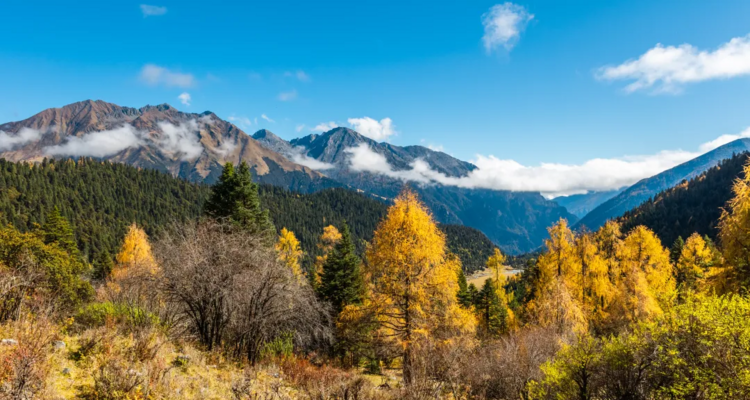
x=691 y=206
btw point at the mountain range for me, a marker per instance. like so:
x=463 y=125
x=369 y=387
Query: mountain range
x=647 y=188
x=195 y=147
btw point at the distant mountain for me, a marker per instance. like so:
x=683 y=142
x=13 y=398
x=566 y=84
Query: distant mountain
x=582 y=204
x=646 y=188
x=691 y=206
x=191 y=146
x=516 y=221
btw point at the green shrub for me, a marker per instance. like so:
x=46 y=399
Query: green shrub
x=97 y=314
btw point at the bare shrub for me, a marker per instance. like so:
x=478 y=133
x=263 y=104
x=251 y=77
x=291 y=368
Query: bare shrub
x=503 y=368
x=24 y=365
x=113 y=381
x=230 y=291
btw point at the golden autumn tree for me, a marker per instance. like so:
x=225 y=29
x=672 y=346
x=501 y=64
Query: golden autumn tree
x=496 y=264
x=646 y=285
x=134 y=268
x=411 y=282
x=734 y=236
x=326 y=243
x=695 y=259
x=596 y=289
x=608 y=241
x=557 y=288
x=288 y=249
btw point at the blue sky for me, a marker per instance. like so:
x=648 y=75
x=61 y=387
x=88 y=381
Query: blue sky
x=538 y=96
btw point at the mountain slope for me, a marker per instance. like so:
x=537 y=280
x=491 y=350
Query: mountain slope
x=582 y=204
x=516 y=221
x=691 y=206
x=646 y=188
x=191 y=146
x=101 y=199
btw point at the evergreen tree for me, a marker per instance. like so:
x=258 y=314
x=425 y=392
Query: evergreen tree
x=103 y=265
x=463 y=295
x=235 y=197
x=56 y=229
x=473 y=293
x=493 y=316
x=341 y=282
x=676 y=250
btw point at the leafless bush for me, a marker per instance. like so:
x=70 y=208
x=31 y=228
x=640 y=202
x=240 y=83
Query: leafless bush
x=16 y=286
x=113 y=381
x=24 y=365
x=230 y=291
x=502 y=369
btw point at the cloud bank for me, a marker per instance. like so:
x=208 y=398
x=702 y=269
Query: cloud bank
x=550 y=179
x=666 y=69
x=376 y=130
x=98 y=144
x=180 y=141
x=25 y=135
x=298 y=156
x=154 y=75
x=503 y=24
x=325 y=126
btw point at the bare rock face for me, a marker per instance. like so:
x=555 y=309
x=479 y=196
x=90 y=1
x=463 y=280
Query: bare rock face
x=188 y=145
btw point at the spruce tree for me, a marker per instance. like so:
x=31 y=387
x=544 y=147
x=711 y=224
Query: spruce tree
x=493 y=315
x=341 y=282
x=103 y=265
x=463 y=295
x=676 y=250
x=235 y=197
x=56 y=229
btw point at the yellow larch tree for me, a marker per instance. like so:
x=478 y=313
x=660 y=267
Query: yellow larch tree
x=595 y=285
x=557 y=287
x=646 y=286
x=734 y=236
x=608 y=241
x=496 y=264
x=326 y=243
x=289 y=252
x=411 y=282
x=134 y=267
x=695 y=259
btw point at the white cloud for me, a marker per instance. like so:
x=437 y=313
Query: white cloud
x=325 y=126
x=181 y=140
x=298 y=156
x=152 y=11
x=667 y=69
x=264 y=116
x=299 y=127
x=98 y=144
x=154 y=75
x=551 y=179
x=301 y=76
x=185 y=98
x=287 y=96
x=242 y=122
x=503 y=24
x=25 y=135
x=225 y=148
x=375 y=130
x=207 y=119
x=722 y=140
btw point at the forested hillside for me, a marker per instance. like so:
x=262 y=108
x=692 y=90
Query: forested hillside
x=692 y=206
x=101 y=199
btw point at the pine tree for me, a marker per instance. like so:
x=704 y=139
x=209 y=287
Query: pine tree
x=235 y=197
x=341 y=281
x=695 y=259
x=103 y=265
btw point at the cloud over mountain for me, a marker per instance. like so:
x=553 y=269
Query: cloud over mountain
x=25 y=135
